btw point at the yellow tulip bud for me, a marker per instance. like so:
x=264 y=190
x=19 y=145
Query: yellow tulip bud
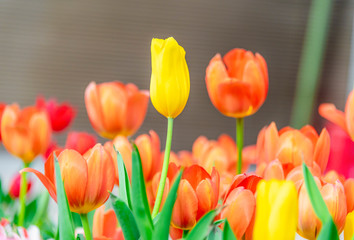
x=277 y=210
x=349 y=226
x=170 y=85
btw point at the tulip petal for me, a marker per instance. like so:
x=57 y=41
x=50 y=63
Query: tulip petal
x=349 y=115
x=194 y=175
x=322 y=149
x=274 y=170
x=332 y=114
x=205 y=195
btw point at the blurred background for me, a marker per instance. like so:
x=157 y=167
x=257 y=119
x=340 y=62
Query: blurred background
x=57 y=48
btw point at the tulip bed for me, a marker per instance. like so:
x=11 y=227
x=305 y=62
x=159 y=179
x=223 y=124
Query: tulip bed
x=128 y=188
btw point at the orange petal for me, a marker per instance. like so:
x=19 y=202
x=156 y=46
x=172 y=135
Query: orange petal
x=194 y=175
x=205 y=195
x=332 y=114
x=349 y=115
x=267 y=142
x=143 y=142
x=239 y=211
x=93 y=107
x=310 y=133
x=349 y=192
x=274 y=170
x=322 y=148
x=45 y=181
x=185 y=209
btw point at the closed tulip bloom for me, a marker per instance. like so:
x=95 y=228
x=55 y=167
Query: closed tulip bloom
x=25 y=133
x=170 y=84
x=87 y=178
x=277 y=210
x=115 y=108
x=80 y=141
x=60 y=115
x=197 y=194
x=237 y=84
x=14 y=190
x=349 y=226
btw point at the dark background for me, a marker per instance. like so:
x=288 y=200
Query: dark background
x=57 y=48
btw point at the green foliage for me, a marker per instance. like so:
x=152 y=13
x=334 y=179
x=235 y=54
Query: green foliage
x=329 y=230
x=228 y=234
x=65 y=223
x=124 y=184
x=203 y=227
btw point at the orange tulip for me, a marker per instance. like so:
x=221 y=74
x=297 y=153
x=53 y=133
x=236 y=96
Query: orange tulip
x=334 y=196
x=26 y=133
x=240 y=199
x=349 y=192
x=292 y=147
x=197 y=194
x=115 y=109
x=240 y=88
x=94 y=171
x=105 y=225
x=342 y=119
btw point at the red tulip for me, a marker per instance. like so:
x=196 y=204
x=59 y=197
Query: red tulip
x=80 y=141
x=240 y=88
x=115 y=109
x=2 y=108
x=87 y=178
x=14 y=190
x=60 y=115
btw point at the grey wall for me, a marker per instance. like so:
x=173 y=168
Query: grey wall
x=57 y=48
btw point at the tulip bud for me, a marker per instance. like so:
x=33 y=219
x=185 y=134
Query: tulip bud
x=15 y=186
x=170 y=84
x=80 y=141
x=277 y=210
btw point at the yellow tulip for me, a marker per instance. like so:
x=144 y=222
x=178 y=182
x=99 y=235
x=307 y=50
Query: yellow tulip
x=277 y=210
x=349 y=226
x=170 y=85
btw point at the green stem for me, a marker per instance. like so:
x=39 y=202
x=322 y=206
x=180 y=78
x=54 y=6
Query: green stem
x=185 y=233
x=86 y=226
x=23 y=193
x=239 y=142
x=164 y=168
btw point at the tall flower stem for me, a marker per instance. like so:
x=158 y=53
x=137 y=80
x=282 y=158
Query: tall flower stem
x=86 y=226
x=23 y=193
x=166 y=161
x=239 y=142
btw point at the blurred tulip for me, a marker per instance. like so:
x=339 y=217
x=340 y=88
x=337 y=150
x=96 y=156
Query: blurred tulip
x=51 y=148
x=274 y=170
x=197 y=194
x=115 y=109
x=60 y=116
x=2 y=108
x=309 y=225
x=277 y=210
x=332 y=176
x=349 y=227
x=14 y=190
x=105 y=225
x=240 y=88
x=25 y=133
x=341 y=119
x=94 y=171
x=349 y=193
x=170 y=84
x=80 y=141
x=240 y=199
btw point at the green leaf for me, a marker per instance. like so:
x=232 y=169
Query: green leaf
x=42 y=209
x=124 y=184
x=228 y=234
x=162 y=227
x=31 y=209
x=65 y=223
x=218 y=222
x=315 y=196
x=215 y=233
x=126 y=219
x=80 y=237
x=328 y=231
x=141 y=209
x=203 y=226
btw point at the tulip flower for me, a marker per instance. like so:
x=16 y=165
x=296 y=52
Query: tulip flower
x=309 y=225
x=342 y=119
x=169 y=92
x=2 y=108
x=197 y=194
x=115 y=109
x=60 y=116
x=349 y=193
x=94 y=171
x=237 y=86
x=80 y=141
x=349 y=227
x=15 y=185
x=105 y=225
x=240 y=199
x=26 y=134
x=277 y=210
